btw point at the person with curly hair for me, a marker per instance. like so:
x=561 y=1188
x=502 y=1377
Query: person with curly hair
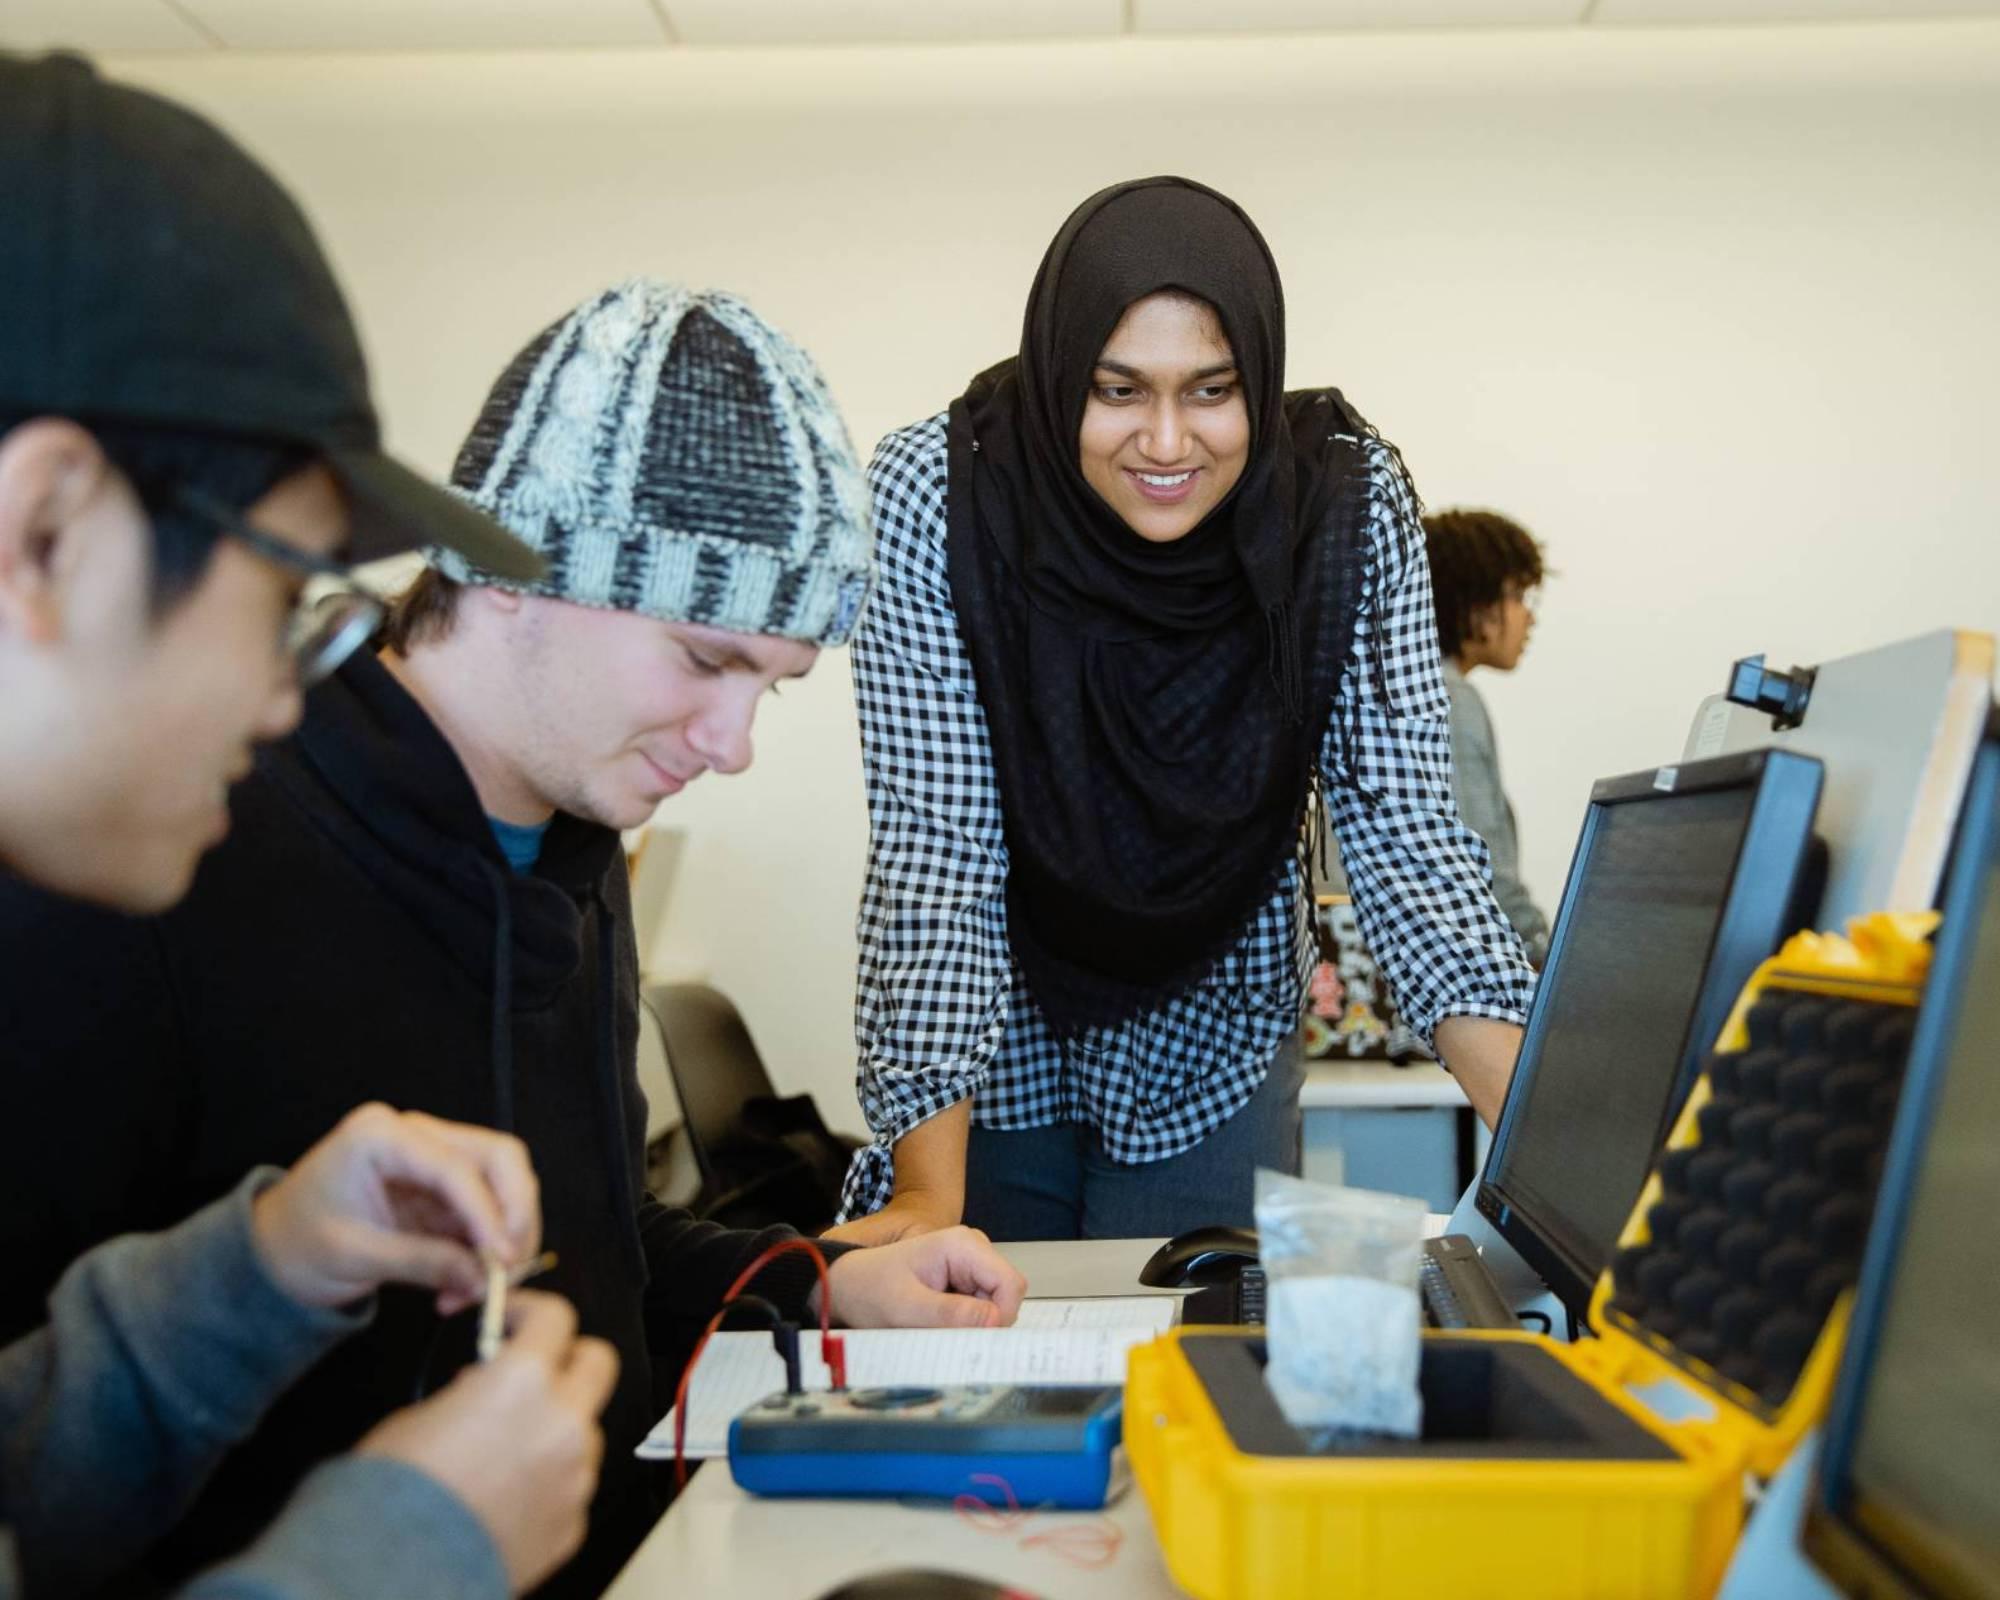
x=1485 y=570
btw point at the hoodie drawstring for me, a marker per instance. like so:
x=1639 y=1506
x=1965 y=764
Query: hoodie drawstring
x=625 y=1192
x=502 y=1047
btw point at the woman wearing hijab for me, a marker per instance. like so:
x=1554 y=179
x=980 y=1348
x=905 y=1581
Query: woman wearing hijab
x=1136 y=602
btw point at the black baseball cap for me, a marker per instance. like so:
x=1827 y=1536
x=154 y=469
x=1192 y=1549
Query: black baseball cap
x=152 y=272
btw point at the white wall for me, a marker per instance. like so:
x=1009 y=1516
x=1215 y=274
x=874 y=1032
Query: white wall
x=1711 y=310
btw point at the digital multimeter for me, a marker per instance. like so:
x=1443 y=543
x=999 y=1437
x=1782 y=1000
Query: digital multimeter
x=1052 y=1446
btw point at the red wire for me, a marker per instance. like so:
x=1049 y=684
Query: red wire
x=833 y=1349
x=1093 y=1543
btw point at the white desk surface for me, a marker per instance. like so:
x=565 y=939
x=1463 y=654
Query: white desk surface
x=717 y=1540
x=1347 y=1085
x=1083 y=1269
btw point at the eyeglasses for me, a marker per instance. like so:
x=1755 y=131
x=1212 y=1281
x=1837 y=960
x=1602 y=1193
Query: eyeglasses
x=333 y=618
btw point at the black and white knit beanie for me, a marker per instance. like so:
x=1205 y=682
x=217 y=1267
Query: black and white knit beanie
x=670 y=452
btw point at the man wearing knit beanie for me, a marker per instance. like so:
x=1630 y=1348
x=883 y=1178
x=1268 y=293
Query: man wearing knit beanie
x=452 y=927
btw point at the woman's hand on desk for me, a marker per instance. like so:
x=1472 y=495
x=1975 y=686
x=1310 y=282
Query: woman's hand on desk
x=930 y=1182
x=904 y=1217
x=945 y=1278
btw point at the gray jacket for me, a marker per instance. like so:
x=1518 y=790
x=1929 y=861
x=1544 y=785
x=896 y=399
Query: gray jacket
x=160 y=1353
x=1475 y=762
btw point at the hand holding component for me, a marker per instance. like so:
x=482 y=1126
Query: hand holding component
x=398 y=1197
x=516 y=1438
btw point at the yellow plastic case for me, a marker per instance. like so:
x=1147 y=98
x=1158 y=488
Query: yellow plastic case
x=1494 y=1513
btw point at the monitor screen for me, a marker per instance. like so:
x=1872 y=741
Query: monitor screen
x=1912 y=1471
x=1675 y=894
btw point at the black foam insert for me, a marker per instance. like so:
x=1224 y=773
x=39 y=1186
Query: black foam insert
x=1656 y=1276
x=1668 y=1212
x=1742 y=1248
x=1892 y=1034
x=1483 y=1400
x=1842 y=1157
x=1786 y=1270
x=1751 y=1128
x=1702 y=1232
x=1801 y=1020
x=1674 y=1170
x=1744 y=1189
x=1759 y=1226
x=1795 y=1140
x=1714 y=1117
x=1757 y=1074
x=1784 y=1342
x=1849 y=1087
x=1695 y=1295
x=1839 y=1225
x=1737 y=1316
x=1763 y=1022
x=1798 y=1082
x=1825 y=1286
x=1850 y=1032
x=1792 y=1201
x=1710 y=1166
x=1882 y=1103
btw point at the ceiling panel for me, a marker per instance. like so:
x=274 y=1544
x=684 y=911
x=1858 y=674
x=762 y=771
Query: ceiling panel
x=1292 y=16
x=95 y=25
x=1789 y=10
x=427 y=24
x=749 y=22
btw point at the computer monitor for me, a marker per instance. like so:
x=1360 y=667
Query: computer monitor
x=1683 y=880
x=1907 y=1498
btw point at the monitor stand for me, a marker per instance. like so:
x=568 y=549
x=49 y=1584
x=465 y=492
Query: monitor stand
x=1519 y=1283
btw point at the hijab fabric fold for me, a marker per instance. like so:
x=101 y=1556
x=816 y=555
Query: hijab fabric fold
x=1154 y=709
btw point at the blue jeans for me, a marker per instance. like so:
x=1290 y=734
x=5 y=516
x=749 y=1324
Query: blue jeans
x=1058 y=1182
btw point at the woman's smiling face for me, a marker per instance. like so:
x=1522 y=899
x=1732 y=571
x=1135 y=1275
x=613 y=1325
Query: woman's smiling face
x=1166 y=431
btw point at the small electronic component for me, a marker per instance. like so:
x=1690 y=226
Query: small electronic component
x=493 y=1313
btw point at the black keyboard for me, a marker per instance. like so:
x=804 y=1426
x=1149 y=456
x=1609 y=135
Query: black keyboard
x=1247 y=1302
x=1236 y=1302
x=1458 y=1287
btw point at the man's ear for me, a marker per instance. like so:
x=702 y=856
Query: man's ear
x=506 y=601
x=50 y=470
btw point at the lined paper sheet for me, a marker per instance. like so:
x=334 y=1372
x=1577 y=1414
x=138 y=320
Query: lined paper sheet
x=1154 y=1313
x=1055 y=1341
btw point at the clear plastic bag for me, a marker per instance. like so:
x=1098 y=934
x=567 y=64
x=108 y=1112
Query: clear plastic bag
x=1343 y=1325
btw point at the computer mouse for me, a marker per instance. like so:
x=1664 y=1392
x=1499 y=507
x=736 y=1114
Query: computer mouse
x=1201 y=1255
x=923 y=1583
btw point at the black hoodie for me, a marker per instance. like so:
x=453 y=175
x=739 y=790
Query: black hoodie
x=358 y=937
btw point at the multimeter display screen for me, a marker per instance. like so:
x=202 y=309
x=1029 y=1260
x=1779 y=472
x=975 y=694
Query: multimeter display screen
x=1055 y=1402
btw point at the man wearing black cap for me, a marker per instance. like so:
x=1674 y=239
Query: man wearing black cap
x=185 y=440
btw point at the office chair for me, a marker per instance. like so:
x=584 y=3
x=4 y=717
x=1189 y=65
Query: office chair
x=762 y=1158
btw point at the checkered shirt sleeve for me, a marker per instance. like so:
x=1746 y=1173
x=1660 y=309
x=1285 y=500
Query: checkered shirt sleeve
x=941 y=1013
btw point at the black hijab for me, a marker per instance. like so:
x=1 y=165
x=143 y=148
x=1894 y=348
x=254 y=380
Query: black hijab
x=1154 y=709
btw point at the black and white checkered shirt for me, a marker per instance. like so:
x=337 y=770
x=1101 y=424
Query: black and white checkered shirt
x=940 y=1010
